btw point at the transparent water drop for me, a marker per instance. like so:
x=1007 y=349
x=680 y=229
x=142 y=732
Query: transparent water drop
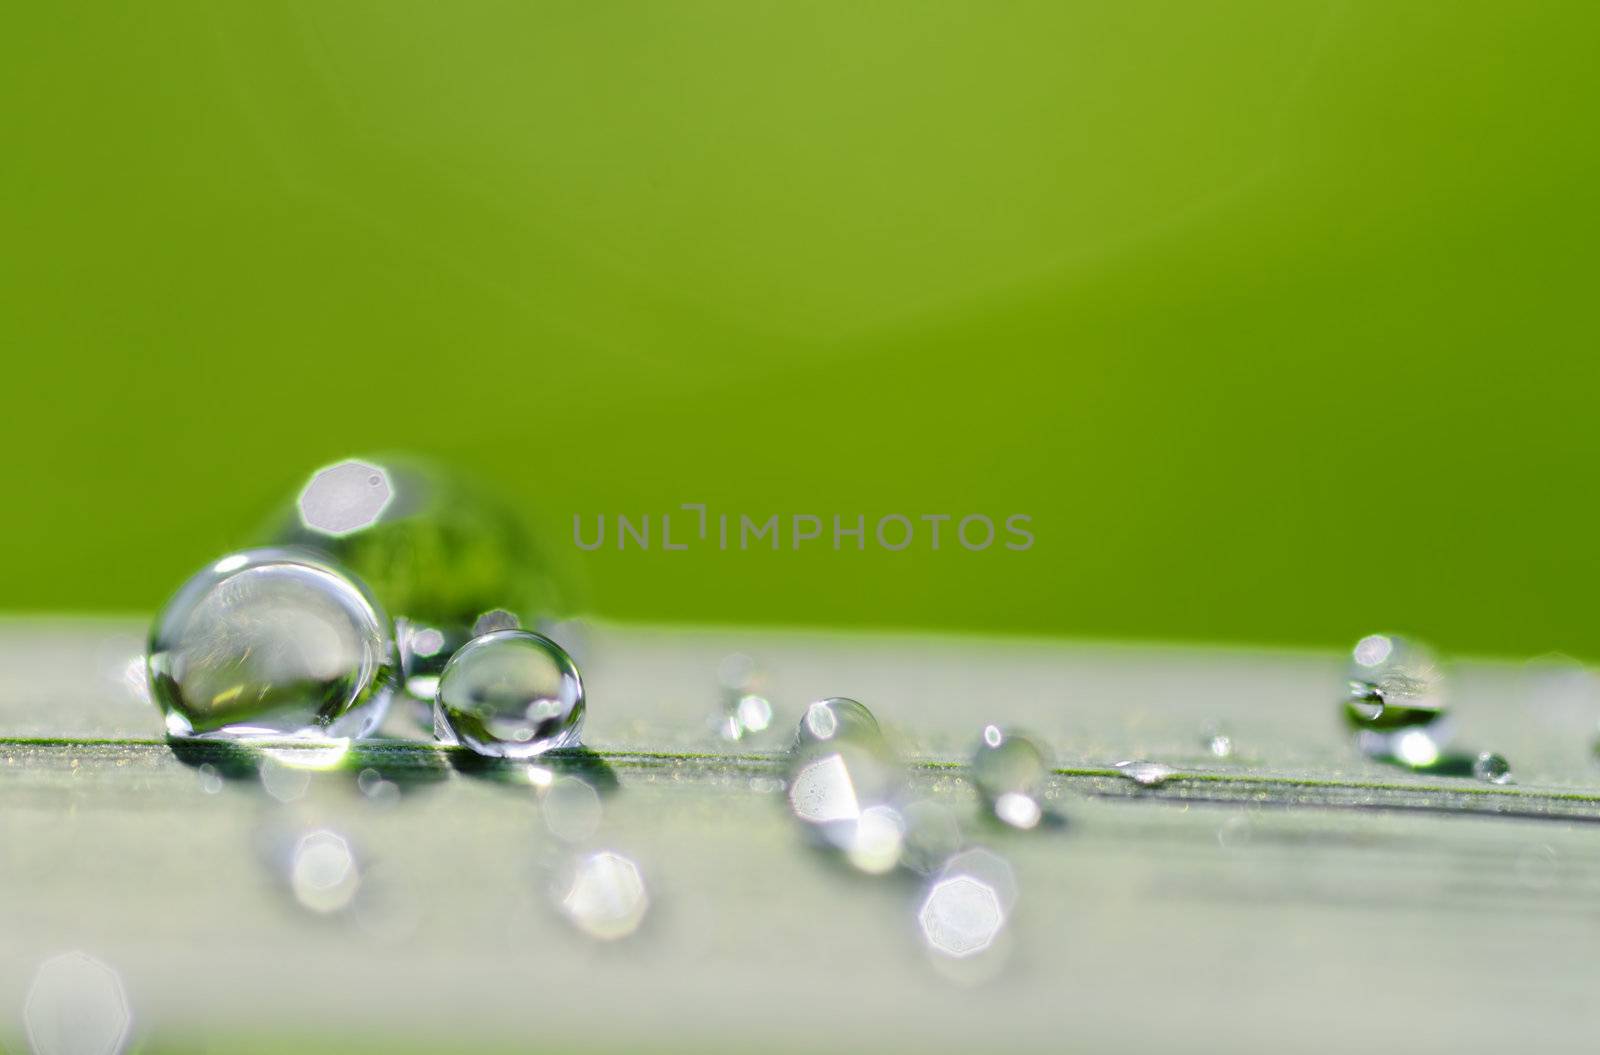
x=1394 y=683
x=511 y=693
x=424 y=650
x=843 y=783
x=606 y=897
x=323 y=873
x=1147 y=774
x=745 y=711
x=837 y=719
x=1009 y=771
x=1219 y=743
x=1492 y=767
x=77 y=1006
x=271 y=644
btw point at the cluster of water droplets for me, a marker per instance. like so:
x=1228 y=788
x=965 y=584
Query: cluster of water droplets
x=852 y=796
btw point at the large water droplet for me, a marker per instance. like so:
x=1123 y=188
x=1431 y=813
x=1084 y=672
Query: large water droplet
x=512 y=693
x=843 y=781
x=1492 y=767
x=271 y=644
x=1395 y=701
x=1009 y=770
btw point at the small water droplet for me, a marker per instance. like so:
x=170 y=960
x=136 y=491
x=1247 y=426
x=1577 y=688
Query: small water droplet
x=1220 y=744
x=1009 y=770
x=511 y=693
x=496 y=619
x=837 y=718
x=1492 y=767
x=1148 y=774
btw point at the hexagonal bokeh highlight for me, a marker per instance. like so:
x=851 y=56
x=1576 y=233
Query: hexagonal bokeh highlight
x=345 y=498
x=77 y=1006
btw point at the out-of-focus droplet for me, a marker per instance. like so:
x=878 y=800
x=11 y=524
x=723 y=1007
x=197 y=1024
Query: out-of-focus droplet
x=1219 y=743
x=606 y=898
x=571 y=809
x=271 y=644
x=837 y=718
x=433 y=547
x=843 y=781
x=497 y=619
x=1009 y=770
x=1492 y=767
x=1148 y=774
x=745 y=709
x=77 y=1006
x=323 y=873
x=1395 y=701
x=424 y=650
x=511 y=693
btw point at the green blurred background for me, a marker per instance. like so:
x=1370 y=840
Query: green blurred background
x=1278 y=317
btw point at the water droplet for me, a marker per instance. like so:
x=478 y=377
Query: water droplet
x=1492 y=768
x=77 y=1006
x=434 y=548
x=606 y=898
x=1394 y=684
x=1148 y=774
x=323 y=874
x=282 y=645
x=424 y=650
x=512 y=693
x=837 y=719
x=842 y=784
x=1220 y=744
x=1009 y=769
x=571 y=809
